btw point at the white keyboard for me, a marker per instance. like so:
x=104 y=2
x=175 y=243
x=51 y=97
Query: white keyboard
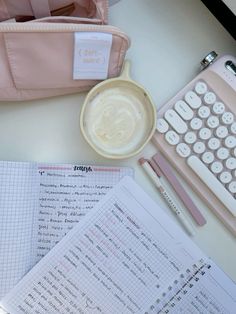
x=203 y=132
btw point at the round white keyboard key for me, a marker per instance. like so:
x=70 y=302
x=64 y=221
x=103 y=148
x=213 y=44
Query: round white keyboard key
x=190 y=137
x=216 y=167
x=225 y=177
x=205 y=133
x=230 y=141
x=208 y=158
x=162 y=126
x=231 y=163
x=203 y=112
x=199 y=147
x=196 y=123
x=201 y=88
x=227 y=117
x=213 y=143
x=193 y=99
x=232 y=187
x=234 y=151
x=183 y=150
x=221 y=131
x=218 y=108
x=222 y=153
x=172 y=137
x=175 y=121
x=184 y=110
x=209 y=98
x=233 y=128
x=213 y=122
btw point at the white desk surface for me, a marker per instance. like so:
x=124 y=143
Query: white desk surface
x=169 y=38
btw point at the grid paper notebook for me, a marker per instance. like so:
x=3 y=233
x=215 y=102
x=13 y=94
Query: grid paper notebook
x=39 y=204
x=125 y=256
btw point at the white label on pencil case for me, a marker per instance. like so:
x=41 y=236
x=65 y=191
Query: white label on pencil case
x=91 y=55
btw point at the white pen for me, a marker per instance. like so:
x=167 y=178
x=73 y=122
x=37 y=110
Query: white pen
x=166 y=195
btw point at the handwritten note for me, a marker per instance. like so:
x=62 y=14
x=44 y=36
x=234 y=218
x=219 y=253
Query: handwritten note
x=118 y=259
x=125 y=256
x=66 y=195
x=209 y=291
x=39 y=204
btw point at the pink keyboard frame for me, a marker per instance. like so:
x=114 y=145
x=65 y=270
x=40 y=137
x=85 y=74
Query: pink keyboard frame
x=218 y=79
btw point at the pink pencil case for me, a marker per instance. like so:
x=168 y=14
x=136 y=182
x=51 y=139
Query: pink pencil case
x=37 y=47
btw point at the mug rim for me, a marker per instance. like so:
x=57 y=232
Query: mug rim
x=149 y=103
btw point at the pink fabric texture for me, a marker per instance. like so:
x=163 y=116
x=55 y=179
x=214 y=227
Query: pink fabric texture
x=40 y=8
x=36 y=58
x=4 y=14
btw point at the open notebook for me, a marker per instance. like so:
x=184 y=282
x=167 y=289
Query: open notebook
x=126 y=256
x=39 y=204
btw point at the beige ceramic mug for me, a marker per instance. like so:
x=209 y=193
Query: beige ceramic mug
x=118 y=117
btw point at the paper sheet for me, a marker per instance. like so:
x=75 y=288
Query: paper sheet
x=18 y=195
x=39 y=204
x=209 y=291
x=118 y=259
x=66 y=195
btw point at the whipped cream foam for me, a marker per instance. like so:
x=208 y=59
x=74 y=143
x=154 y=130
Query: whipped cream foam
x=118 y=120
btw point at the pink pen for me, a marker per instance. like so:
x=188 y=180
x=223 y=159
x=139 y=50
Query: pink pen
x=160 y=165
x=145 y=163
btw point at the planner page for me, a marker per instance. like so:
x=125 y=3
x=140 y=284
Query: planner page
x=39 y=204
x=18 y=202
x=209 y=291
x=66 y=194
x=118 y=259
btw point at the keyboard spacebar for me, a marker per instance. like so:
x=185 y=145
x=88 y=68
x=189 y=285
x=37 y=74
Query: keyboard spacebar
x=213 y=184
